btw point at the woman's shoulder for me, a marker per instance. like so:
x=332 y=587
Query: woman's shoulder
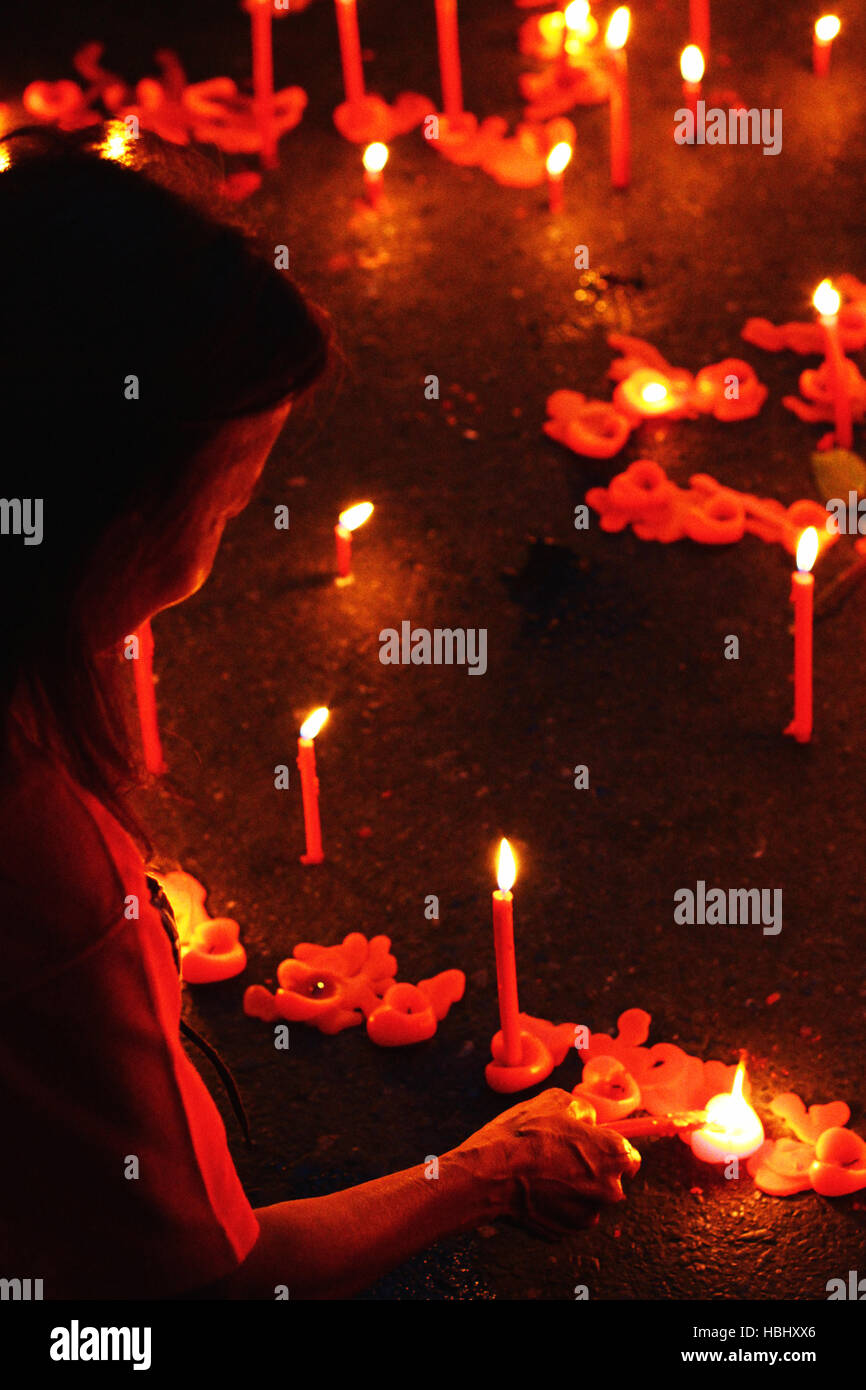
x=66 y=868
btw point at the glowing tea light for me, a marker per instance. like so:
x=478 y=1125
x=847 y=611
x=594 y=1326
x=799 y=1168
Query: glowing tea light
x=449 y=58
x=620 y=127
x=557 y=163
x=578 y=28
x=5 y=161
x=802 y=592
x=506 y=964
x=310 y=785
x=827 y=300
x=349 y=521
x=692 y=69
x=643 y=394
x=826 y=29
x=374 y=159
x=732 y=1130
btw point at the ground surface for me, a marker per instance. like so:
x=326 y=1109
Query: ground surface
x=603 y=650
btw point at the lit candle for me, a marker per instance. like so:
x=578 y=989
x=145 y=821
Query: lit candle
x=692 y=69
x=310 y=785
x=349 y=521
x=350 y=51
x=732 y=1130
x=449 y=58
x=620 y=126
x=375 y=158
x=506 y=965
x=261 y=15
x=826 y=300
x=645 y=393
x=146 y=700
x=699 y=24
x=802 y=588
x=557 y=161
x=826 y=29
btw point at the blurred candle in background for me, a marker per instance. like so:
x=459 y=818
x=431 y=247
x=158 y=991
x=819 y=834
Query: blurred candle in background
x=826 y=29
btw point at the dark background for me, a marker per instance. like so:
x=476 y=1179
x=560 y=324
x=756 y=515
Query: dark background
x=603 y=650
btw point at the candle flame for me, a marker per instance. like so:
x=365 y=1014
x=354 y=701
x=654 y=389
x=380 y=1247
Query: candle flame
x=653 y=392
x=617 y=29
x=506 y=869
x=692 y=63
x=558 y=158
x=353 y=517
x=730 y=1113
x=827 y=299
x=576 y=14
x=827 y=27
x=314 y=723
x=807 y=550
x=117 y=143
x=5 y=161
x=375 y=157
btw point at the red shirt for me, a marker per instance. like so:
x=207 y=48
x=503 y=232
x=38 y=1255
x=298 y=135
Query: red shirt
x=92 y=1071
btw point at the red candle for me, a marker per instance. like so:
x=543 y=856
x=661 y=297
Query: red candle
x=826 y=300
x=699 y=24
x=620 y=125
x=310 y=786
x=146 y=700
x=375 y=158
x=557 y=162
x=263 y=79
x=802 y=587
x=449 y=58
x=350 y=51
x=506 y=964
x=826 y=29
x=692 y=69
x=349 y=521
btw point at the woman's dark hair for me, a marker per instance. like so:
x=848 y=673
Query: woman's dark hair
x=112 y=268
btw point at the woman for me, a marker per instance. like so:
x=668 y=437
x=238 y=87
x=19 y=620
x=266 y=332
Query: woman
x=149 y=359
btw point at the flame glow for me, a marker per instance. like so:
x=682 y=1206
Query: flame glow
x=617 y=29
x=506 y=869
x=827 y=27
x=375 y=157
x=314 y=723
x=653 y=392
x=558 y=158
x=576 y=15
x=807 y=550
x=117 y=144
x=5 y=161
x=827 y=299
x=692 y=63
x=732 y=1127
x=353 y=517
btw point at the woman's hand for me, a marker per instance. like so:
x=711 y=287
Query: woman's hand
x=552 y=1165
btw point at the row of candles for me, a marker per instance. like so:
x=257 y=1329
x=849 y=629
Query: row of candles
x=574 y=24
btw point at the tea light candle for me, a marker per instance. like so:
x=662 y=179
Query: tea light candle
x=310 y=785
x=449 y=58
x=802 y=592
x=261 y=15
x=692 y=69
x=699 y=24
x=145 y=697
x=557 y=162
x=349 y=521
x=350 y=51
x=374 y=159
x=826 y=300
x=506 y=964
x=732 y=1130
x=826 y=29
x=620 y=125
